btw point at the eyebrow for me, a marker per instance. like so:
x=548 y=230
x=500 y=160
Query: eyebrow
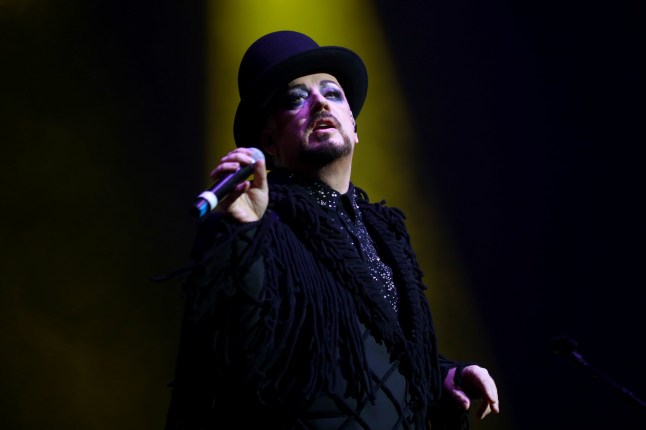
x=323 y=83
x=328 y=82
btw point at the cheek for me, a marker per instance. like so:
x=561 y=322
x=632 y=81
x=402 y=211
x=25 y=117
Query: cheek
x=289 y=122
x=346 y=120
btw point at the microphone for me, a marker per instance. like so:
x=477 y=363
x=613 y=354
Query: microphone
x=563 y=345
x=209 y=199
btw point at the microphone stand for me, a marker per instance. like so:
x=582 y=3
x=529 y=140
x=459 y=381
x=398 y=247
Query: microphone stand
x=565 y=346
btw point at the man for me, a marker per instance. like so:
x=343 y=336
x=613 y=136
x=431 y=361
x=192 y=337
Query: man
x=306 y=308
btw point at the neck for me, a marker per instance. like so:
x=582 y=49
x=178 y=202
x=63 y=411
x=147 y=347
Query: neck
x=335 y=179
x=336 y=174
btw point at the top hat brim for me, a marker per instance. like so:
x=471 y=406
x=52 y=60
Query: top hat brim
x=346 y=66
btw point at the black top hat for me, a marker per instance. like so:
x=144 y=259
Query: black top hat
x=274 y=60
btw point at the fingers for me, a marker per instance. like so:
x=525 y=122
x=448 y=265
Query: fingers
x=484 y=410
x=258 y=183
x=248 y=201
x=456 y=391
x=232 y=162
x=479 y=384
x=260 y=175
x=495 y=406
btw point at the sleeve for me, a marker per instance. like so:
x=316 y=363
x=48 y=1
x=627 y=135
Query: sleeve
x=446 y=365
x=447 y=414
x=222 y=291
x=228 y=262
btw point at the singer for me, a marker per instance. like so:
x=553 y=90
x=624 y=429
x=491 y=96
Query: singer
x=305 y=308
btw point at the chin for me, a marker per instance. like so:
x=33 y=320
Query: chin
x=326 y=152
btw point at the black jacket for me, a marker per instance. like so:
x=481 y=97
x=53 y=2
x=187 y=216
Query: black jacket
x=284 y=326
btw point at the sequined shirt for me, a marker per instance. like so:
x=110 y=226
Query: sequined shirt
x=344 y=211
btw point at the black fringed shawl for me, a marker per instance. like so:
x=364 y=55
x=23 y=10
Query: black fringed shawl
x=314 y=290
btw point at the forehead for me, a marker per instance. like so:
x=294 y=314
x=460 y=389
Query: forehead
x=313 y=80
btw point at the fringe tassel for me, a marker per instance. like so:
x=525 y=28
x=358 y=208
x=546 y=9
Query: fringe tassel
x=305 y=313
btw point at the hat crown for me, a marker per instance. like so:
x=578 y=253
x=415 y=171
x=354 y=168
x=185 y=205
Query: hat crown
x=267 y=52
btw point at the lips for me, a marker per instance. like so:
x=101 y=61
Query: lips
x=324 y=123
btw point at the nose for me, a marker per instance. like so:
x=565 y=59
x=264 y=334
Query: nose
x=319 y=102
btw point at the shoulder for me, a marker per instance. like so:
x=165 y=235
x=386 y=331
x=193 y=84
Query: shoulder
x=380 y=209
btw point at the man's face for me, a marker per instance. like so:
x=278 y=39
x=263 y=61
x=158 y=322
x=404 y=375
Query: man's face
x=310 y=124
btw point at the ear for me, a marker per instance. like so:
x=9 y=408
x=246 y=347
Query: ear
x=354 y=124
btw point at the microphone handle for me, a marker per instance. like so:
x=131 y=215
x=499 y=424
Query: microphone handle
x=209 y=199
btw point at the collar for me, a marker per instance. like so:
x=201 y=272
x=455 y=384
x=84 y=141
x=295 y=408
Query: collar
x=327 y=197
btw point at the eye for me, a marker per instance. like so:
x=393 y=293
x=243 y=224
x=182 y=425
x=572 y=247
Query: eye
x=294 y=98
x=333 y=94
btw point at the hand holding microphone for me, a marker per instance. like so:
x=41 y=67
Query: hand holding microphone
x=243 y=200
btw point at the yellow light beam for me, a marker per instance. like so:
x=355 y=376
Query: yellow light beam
x=382 y=158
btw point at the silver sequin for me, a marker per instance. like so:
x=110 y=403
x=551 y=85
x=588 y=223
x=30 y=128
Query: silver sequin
x=381 y=272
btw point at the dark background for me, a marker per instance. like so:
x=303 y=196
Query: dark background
x=532 y=118
x=529 y=113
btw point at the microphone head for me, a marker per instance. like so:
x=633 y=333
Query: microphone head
x=563 y=345
x=257 y=154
